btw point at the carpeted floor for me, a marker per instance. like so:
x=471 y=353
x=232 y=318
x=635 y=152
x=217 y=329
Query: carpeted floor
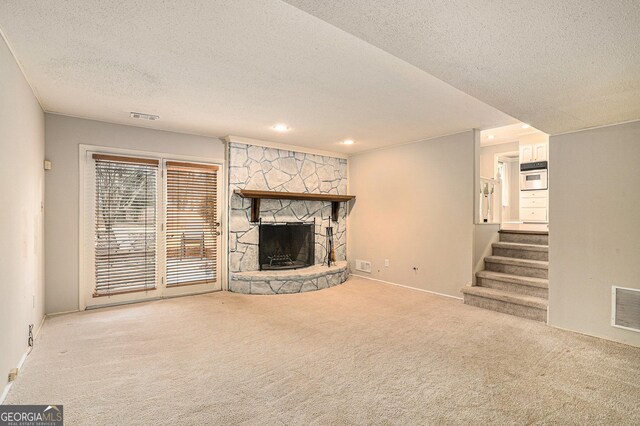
x=360 y=353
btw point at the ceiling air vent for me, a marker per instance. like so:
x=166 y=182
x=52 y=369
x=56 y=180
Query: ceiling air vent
x=143 y=116
x=625 y=308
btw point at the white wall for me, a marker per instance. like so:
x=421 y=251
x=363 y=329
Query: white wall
x=484 y=235
x=513 y=210
x=534 y=138
x=63 y=137
x=488 y=170
x=414 y=206
x=487 y=157
x=594 y=227
x=21 y=217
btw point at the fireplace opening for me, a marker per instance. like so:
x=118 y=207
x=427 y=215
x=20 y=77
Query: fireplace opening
x=286 y=245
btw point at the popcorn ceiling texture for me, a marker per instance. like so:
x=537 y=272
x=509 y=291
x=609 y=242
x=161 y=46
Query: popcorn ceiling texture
x=217 y=68
x=557 y=65
x=270 y=169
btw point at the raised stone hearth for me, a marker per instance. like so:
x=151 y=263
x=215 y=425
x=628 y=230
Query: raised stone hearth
x=315 y=277
x=268 y=169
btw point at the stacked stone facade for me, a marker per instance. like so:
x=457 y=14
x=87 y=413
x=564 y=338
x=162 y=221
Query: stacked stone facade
x=270 y=169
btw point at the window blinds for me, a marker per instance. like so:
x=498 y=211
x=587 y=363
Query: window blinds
x=192 y=223
x=125 y=224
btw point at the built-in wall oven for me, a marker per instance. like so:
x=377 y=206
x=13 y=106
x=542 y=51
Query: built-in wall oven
x=534 y=176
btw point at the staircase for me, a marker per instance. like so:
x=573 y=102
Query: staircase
x=515 y=277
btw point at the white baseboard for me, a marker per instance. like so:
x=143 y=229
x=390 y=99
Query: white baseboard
x=595 y=336
x=53 y=314
x=5 y=391
x=406 y=286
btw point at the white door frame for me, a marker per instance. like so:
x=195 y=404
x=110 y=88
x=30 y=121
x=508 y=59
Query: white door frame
x=86 y=255
x=497 y=156
x=496 y=160
x=195 y=288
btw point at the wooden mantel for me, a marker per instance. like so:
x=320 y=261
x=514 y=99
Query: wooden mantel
x=256 y=196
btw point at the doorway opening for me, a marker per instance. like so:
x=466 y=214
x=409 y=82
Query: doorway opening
x=508 y=155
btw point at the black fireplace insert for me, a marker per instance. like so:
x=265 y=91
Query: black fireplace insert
x=286 y=245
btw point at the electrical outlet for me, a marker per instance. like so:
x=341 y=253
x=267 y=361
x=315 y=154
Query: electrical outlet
x=386 y=263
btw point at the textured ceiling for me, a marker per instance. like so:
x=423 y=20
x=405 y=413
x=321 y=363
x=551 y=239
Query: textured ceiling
x=230 y=67
x=506 y=134
x=559 y=65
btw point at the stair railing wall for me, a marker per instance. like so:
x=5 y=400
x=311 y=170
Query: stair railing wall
x=490 y=202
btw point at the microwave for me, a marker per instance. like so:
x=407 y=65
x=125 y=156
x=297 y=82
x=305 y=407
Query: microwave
x=534 y=176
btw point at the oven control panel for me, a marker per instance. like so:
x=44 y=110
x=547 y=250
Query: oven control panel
x=537 y=165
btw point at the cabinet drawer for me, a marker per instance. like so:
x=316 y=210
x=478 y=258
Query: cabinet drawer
x=534 y=194
x=533 y=213
x=533 y=202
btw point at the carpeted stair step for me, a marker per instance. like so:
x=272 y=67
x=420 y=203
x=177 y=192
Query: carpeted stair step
x=524 y=237
x=530 y=307
x=521 y=251
x=513 y=266
x=527 y=286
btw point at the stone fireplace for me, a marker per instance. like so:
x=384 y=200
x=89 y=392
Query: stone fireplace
x=286 y=246
x=255 y=167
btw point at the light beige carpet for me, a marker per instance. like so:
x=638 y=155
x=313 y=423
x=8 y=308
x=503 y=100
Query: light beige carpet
x=360 y=353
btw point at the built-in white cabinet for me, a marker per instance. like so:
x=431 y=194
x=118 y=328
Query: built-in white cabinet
x=533 y=202
x=541 y=193
x=540 y=152
x=526 y=153
x=533 y=152
x=533 y=215
x=534 y=206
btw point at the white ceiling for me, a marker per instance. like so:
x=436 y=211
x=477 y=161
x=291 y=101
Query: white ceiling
x=230 y=67
x=506 y=134
x=559 y=65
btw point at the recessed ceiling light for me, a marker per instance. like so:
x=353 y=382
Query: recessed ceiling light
x=491 y=137
x=143 y=116
x=526 y=126
x=348 y=142
x=280 y=127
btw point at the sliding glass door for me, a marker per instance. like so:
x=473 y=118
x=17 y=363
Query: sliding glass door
x=152 y=228
x=125 y=233
x=192 y=225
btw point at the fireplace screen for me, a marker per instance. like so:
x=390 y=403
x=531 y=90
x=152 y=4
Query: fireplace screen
x=286 y=245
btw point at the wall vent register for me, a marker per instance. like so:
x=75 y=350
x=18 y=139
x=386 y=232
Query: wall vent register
x=363 y=265
x=625 y=308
